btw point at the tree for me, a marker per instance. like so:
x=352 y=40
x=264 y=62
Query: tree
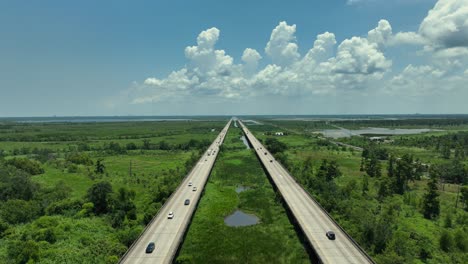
x=146 y=144
x=305 y=171
x=307 y=166
x=385 y=188
x=100 y=168
x=431 y=204
x=402 y=244
x=391 y=167
x=328 y=170
x=365 y=184
x=131 y=146
x=418 y=169
x=163 y=145
x=86 y=209
x=448 y=220
x=275 y=146
x=118 y=219
x=464 y=196
x=404 y=172
x=283 y=158
x=100 y=195
x=446 y=241
x=29 y=166
x=124 y=206
x=115 y=147
x=19 y=211
x=446 y=151
x=79 y=158
x=461 y=241
x=458 y=152
x=23 y=251
x=373 y=167
x=128 y=235
x=456 y=172
x=333 y=170
x=16 y=184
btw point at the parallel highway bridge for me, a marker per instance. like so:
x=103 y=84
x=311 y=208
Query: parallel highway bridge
x=167 y=234
x=314 y=221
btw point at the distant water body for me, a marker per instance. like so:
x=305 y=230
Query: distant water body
x=340 y=133
x=96 y=119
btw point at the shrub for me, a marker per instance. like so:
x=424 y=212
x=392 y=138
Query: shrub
x=19 y=211
x=64 y=207
x=29 y=166
x=461 y=241
x=79 y=158
x=446 y=241
x=275 y=146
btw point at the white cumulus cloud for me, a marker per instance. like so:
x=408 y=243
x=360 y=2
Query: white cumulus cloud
x=426 y=80
x=323 y=48
x=359 y=56
x=251 y=57
x=282 y=47
x=407 y=38
x=446 y=25
x=204 y=57
x=358 y=63
x=381 y=34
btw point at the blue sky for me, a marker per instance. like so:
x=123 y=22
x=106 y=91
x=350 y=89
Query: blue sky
x=116 y=57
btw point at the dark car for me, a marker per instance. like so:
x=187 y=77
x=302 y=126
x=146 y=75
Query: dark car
x=266 y=153
x=150 y=247
x=330 y=235
x=271 y=160
x=187 y=201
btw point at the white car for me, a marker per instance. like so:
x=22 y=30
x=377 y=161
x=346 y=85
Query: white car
x=170 y=215
x=194 y=189
x=190 y=184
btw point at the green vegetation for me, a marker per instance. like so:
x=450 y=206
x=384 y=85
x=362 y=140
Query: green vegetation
x=210 y=240
x=82 y=192
x=448 y=122
x=402 y=200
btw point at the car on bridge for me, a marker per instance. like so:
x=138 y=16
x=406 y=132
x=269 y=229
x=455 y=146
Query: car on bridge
x=187 y=202
x=150 y=247
x=170 y=215
x=330 y=235
x=194 y=188
x=190 y=184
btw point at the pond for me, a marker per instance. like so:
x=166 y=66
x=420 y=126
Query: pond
x=239 y=218
x=241 y=188
x=246 y=143
x=340 y=133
